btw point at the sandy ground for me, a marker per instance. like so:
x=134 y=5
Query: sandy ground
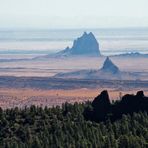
x=25 y=97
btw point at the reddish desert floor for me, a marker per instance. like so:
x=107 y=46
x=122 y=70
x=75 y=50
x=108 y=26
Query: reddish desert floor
x=25 y=97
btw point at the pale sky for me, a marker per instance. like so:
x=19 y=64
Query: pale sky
x=73 y=13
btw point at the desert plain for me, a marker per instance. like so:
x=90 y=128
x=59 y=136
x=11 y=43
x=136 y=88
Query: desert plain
x=27 y=82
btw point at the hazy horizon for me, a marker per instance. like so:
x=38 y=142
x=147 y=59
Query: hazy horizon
x=73 y=14
x=69 y=28
x=37 y=42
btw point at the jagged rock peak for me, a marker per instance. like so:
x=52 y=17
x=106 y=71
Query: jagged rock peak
x=102 y=99
x=85 y=33
x=88 y=34
x=140 y=94
x=84 y=45
x=109 y=66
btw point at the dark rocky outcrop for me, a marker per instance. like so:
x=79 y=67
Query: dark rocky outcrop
x=102 y=109
x=101 y=104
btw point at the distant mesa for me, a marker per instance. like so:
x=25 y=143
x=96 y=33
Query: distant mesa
x=131 y=55
x=109 y=66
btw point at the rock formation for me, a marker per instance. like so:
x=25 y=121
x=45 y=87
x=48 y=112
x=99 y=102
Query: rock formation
x=84 y=45
x=109 y=66
x=101 y=109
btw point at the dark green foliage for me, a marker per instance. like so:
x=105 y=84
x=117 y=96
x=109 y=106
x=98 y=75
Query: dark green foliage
x=66 y=127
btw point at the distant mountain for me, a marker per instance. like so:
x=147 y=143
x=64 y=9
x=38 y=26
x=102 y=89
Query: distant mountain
x=108 y=71
x=131 y=54
x=86 y=45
